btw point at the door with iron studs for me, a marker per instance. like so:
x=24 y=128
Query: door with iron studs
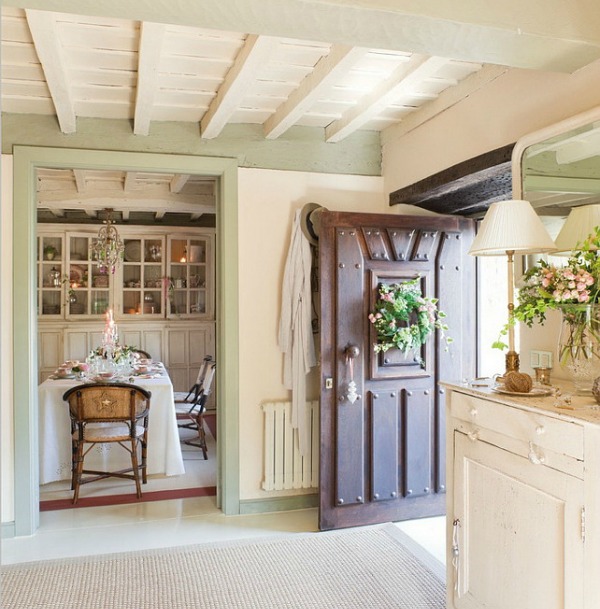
x=382 y=438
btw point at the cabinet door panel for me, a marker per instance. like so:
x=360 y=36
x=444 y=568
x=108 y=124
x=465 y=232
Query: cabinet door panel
x=153 y=344
x=77 y=345
x=50 y=352
x=132 y=337
x=519 y=532
x=177 y=347
x=201 y=345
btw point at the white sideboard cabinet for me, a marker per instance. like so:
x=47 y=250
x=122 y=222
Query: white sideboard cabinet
x=523 y=511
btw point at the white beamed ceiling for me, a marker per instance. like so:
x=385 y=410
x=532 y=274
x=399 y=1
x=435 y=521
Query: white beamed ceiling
x=74 y=66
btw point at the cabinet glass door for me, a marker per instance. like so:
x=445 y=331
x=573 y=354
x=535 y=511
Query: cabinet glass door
x=89 y=287
x=50 y=275
x=142 y=277
x=188 y=260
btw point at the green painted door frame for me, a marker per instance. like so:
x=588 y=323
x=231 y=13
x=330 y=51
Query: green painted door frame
x=26 y=160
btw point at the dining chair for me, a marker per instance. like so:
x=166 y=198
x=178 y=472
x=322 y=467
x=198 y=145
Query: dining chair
x=191 y=415
x=191 y=396
x=102 y=413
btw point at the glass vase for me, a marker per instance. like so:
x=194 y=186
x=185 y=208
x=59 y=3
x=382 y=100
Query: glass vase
x=579 y=345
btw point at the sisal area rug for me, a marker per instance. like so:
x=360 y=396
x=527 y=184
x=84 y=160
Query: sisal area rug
x=368 y=567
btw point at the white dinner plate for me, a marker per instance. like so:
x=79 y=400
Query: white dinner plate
x=133 y=251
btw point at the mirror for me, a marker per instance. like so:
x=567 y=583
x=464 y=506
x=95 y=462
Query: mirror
x=558 y=167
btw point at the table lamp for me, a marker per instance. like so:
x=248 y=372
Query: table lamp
x=579 y=225
x=509 y=228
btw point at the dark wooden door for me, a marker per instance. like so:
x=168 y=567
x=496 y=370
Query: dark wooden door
x=383 y=456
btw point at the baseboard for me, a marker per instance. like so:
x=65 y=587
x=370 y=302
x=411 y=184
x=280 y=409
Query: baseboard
x=279 y=504
x=8 y=530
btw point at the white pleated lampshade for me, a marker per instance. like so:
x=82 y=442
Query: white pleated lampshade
x=578 y=227
x=511 y=226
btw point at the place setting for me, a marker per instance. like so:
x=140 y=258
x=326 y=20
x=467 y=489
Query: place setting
x=110 y=362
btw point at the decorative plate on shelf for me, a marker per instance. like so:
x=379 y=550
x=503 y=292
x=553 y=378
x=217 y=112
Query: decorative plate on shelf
x=133 y=251
x=76 y=273
x=536 y=392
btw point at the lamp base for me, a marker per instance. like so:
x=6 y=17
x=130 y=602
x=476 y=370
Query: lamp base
x=511 y=362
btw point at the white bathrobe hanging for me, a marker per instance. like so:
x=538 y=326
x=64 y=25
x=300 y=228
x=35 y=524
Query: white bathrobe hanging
x=295 y=329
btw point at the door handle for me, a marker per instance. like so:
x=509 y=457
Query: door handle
x=351 y=352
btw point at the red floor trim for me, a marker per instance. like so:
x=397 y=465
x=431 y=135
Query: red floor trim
x=183 y=493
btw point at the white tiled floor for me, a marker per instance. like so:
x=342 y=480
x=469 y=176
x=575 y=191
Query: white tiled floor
x=86 y=531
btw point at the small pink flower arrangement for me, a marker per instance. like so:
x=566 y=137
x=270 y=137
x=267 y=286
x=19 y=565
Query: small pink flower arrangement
x=547 y=286
x=80 y=367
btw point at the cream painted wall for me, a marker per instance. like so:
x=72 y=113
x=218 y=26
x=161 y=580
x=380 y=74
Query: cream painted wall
x=6 y=418
x=515 y=104
x=268 y=200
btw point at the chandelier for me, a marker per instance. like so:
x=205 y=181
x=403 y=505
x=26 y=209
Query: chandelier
x=106 y=250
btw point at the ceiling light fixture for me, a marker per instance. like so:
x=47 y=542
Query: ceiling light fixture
x=106 y=250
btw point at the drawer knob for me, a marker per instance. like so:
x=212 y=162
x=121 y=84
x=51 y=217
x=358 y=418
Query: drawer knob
x=473 y=435
x=540 y=430
x=473 y=412
x=537 y=458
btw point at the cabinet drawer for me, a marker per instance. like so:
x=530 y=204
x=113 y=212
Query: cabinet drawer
x=562 y=437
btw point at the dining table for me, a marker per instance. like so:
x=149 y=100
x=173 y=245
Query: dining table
x=164 y=447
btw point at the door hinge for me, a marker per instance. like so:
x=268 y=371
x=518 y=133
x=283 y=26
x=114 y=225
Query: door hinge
x=583 y=524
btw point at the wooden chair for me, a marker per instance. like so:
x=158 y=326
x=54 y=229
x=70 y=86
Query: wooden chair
x=181 y=397
x=193 y=414
x=108 y=413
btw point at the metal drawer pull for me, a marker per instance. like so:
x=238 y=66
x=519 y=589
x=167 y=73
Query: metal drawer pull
x=535 y=457
x=540 y=430
x=473 y=412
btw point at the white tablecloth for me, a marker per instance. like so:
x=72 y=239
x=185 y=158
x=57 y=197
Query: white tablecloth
x=164 y=448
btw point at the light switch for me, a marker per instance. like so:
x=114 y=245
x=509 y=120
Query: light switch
x=541 y=359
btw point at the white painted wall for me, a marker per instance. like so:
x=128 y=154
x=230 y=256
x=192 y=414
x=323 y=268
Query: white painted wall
x=6 y=411
x=268 y=200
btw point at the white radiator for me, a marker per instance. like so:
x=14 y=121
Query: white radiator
x=285 y=467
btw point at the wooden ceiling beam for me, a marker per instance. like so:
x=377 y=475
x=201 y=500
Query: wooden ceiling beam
x=42 y=25
x=151 y=43
x=402 y=80
x=129 y=183
x=79 y=175
x=178 y=182
x=255 y=53
x=328 y=70
x=89 y=206
x=446 y=99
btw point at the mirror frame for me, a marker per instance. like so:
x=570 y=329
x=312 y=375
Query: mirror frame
x=26 y=160
x=579 y=120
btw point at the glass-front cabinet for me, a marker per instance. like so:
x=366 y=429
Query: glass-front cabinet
x=142 y=277
x=190 y=277
x=160 y=277
x=89 y=288
x=50 y=252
